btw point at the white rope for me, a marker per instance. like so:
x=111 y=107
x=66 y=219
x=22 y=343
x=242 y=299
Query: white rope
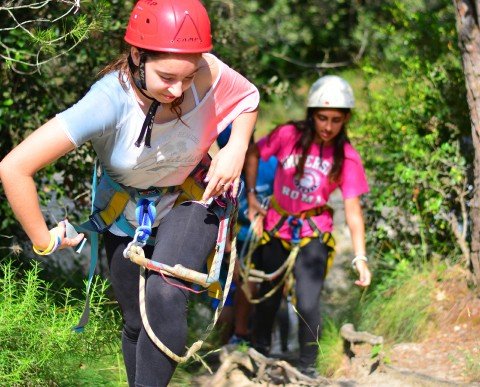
x=198 y=344
x=288 y=266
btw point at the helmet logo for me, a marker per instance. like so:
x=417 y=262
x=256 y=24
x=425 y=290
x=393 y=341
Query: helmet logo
x=187 y=32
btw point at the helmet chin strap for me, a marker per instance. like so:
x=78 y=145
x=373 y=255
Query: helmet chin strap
x=141 y=84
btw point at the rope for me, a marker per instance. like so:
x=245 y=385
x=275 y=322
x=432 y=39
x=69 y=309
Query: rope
x=287 y=266
x=254 y=275
x=134 y=252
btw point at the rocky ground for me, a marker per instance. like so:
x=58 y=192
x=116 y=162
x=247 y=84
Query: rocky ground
x=448 y=355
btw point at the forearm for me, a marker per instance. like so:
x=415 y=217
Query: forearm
x=358 y=238
x=242 y=130
x=251 y=167
x=17 y=169
x=356 y=225
x=23 y=198
x=354 y=218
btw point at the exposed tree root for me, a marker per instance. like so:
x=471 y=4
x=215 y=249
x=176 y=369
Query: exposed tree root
x=260 y=368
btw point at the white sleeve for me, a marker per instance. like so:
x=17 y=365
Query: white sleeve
x=95 y=114
x=236 y=94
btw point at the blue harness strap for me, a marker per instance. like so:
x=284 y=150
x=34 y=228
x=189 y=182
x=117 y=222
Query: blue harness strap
x=93 y=262
x=91 y=227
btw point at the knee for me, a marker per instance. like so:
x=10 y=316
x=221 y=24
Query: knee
x=308 y=308
x=164 y=298
x=131 y=329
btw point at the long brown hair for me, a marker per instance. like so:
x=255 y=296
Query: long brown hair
x=307 y=129
x=121 y=65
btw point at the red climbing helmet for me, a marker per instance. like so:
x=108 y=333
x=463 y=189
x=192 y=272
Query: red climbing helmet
x=170 y=25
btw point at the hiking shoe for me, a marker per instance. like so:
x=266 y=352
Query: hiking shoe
x=310 y=371
x=239 y=340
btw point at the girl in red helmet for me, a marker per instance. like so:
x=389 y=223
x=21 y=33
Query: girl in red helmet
x=151 y=119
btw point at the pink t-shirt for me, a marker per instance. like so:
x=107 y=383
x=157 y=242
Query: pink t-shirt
x=313 y=189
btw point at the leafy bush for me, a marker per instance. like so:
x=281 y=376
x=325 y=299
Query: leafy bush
x=37 y=343
x=414 y=134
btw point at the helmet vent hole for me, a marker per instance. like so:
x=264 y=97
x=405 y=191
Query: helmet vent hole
x=148 y=21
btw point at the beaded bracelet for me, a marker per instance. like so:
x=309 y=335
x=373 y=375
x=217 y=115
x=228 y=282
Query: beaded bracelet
x=359 y=258
x=55 y=242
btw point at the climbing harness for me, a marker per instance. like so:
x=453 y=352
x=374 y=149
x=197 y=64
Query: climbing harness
x=134 y=251
x=296 y=221
x=225 y=207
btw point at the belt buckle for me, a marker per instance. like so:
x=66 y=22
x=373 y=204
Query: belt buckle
x=98 y=223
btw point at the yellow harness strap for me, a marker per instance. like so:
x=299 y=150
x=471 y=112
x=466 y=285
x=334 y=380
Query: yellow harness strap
x=327 y=239
x=304 y=214
x=190 y=190
x=115 y=207
x=326 y=236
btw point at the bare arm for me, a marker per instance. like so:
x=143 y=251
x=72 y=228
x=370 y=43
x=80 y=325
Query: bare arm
x=251 y=171
x=356 y=224
x=17 y=169
x=227 y=164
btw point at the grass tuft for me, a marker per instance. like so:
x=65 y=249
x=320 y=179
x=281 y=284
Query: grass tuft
x=330 y=349
x=399 y=308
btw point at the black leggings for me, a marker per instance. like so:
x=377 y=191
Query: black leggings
x=186 y=235
x=309 y=274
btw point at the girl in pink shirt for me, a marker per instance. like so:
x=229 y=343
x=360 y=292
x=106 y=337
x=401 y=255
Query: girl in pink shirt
x=315 y=158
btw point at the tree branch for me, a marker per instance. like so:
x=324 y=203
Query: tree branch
x=13 y=56
x=325 y=65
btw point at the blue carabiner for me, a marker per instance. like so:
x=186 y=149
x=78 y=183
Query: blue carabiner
x=296 y=225
x=145 y=213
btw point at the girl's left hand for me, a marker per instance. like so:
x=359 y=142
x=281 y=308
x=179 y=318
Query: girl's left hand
x=69 y=236
x=364 y=275
x=224 y=172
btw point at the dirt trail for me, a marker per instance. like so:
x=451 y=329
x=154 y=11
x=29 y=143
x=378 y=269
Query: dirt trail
x=448 y=356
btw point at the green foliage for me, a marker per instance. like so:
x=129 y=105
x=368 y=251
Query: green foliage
x=37 y=343
x=398 y=306
x=472 y=369
x=413 y=133
x=276 y=43
x=87 y=41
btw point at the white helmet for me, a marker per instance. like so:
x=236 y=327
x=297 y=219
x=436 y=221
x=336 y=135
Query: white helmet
x=331 y=91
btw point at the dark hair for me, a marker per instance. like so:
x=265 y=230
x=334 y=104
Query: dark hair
x=307 y=130
x=121 y=65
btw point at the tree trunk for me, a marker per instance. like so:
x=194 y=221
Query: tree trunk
x=469 y=41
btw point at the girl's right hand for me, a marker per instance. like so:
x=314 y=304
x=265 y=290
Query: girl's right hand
x=364 y=275
x=255 y=214
x=254 y=207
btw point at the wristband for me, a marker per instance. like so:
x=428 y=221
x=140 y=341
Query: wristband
x=359 y=258
x=55 y=242
x=251 y=190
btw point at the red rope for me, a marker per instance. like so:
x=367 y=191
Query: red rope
x=180 y=286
